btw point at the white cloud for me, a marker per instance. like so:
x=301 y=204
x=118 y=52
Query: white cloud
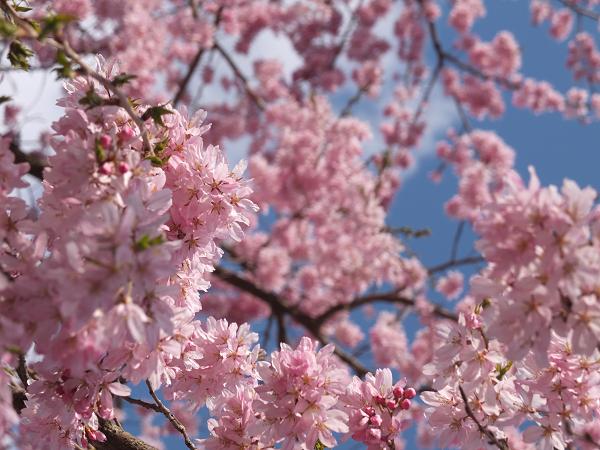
x=36 y=93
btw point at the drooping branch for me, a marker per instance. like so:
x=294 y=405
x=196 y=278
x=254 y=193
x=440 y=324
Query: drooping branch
x=171 y=417
x=240 y=76
x=278 y=307
x=383 y=297
x=197 y=58
x=455 y=263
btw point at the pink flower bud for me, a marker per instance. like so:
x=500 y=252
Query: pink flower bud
x=391 y=404
x=123 y=167
x=376 y=420
x=369 y=411
x=405 y=404
x=380 y=400
x=105 y=141
x=398 y=392
x=126 y=133
x=107 y=168
x=410 y=393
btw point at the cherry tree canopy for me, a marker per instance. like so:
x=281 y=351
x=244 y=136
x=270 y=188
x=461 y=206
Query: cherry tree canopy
x=144 y=261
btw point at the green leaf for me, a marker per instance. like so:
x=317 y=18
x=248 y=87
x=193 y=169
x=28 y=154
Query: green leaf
x=145 y=242
x=99 y=151
x=319 y=446
x=159 y=147
x=4 y=99
x=503 y=369
x=156 y=113
x=18 y=55
x=7 y=29
x=155 y=160
x=53 y=23
x=64 y=69
x=91 y=99
x=122 y=78
x=20 y=8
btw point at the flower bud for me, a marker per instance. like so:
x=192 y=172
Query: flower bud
x=105 y=141
x=398 y=392
x=126 y=133
x=107 y=168
x=376 y=420
x=410 y=393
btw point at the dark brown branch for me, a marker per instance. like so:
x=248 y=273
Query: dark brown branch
x=194 y=6
x=500 y=443
x=36 y=162
x=278 y=307
x=281 y=332
x=455 y=263
x=240 y=76
x=188 y=76
x=142 y=403
x=353 y=101
x=119 y=439
x=383 y=297
x=197 y=58
x=456 y=240
x=443 y=56
x=427 y=92
x=169 y=415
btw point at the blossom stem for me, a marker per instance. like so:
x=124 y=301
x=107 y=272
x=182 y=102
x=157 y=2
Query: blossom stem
x=169 y=415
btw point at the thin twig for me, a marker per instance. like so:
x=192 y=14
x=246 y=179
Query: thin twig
x=384 y=297
x=281 y=332
x=188 y=76
x=456 y=240
x=60 y=44
x=142 y=403
x=197 y=58
x=279 y=306
x=353 y=101
x=110 y=86
x=580 y=10
x=501 y=444
x=240 y=76
x=455 y=263
x=169 y=415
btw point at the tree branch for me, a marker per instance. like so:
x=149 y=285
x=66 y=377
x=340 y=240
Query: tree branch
x=240 y=76
x=383 y=297
x=119 y=439
x=578 y=9
x=197 y=58
x=169 y=415
x=279 y=307
x=142 y=403
x=501 y=444
x=455 y=263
